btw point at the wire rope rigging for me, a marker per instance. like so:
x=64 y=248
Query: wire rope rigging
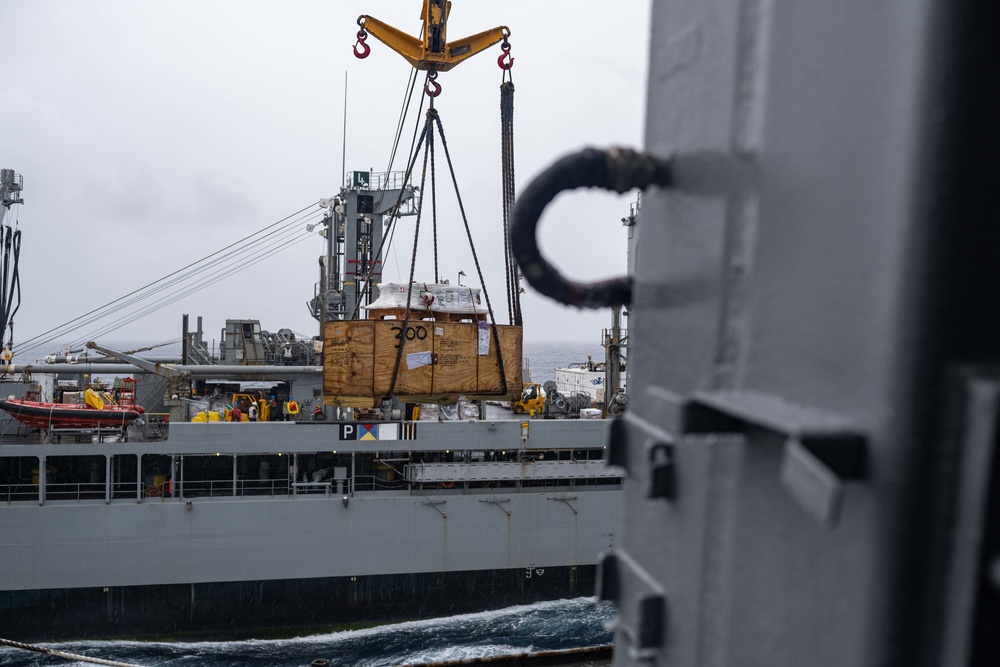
x=194 y=277
x=432 y=123
x=509 y=192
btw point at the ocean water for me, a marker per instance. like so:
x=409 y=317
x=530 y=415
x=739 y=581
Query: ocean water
x=544 y=358
x=560 y=624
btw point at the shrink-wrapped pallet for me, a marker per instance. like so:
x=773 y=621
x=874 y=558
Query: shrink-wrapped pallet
x=428 y=300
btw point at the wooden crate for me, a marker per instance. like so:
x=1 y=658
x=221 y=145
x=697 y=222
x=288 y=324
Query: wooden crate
x=359 y=358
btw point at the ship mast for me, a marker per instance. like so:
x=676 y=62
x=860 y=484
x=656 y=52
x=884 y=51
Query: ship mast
x=354 y=227
x=11 y=185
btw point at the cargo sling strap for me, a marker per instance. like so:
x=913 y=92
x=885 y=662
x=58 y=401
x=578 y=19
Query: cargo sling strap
x=426 y=141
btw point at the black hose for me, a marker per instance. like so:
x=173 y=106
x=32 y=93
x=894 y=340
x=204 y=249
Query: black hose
x=617 y=169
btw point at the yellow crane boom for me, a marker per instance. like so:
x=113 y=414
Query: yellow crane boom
x=433 y=52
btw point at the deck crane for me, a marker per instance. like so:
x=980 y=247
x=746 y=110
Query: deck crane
x=179 y=376
x=178 y=381
x=446 y=376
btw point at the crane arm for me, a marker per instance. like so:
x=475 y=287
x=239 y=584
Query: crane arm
x=464 y=48
x=146 y=365
x=402 y=43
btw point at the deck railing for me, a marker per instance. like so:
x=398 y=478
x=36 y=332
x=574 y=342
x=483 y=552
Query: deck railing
x=262 y=487
x=85 y=491
x=229 y=488
x=18 y=492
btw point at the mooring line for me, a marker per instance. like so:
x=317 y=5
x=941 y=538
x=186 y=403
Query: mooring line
x=64 y=655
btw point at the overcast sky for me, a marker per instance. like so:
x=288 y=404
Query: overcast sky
x=150 y=134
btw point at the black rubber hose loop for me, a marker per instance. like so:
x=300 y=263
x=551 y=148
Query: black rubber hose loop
x=617 y=169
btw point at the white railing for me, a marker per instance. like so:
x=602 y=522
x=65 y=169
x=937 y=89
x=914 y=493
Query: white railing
x=493 y=471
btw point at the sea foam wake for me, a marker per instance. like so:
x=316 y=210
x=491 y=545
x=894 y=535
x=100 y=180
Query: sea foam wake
x=560 y=624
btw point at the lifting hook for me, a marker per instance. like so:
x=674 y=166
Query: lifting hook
x=361 y=50
x=432 y=87
x=505 y=47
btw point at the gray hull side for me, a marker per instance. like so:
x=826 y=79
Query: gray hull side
x=152 y=541
x=61 y=545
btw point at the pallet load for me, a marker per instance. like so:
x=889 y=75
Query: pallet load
x=448 y=349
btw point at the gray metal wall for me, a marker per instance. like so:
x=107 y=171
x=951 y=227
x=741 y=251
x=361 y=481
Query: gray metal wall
x=812 y=344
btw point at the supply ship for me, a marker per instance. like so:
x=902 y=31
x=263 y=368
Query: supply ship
x=213 y=530
x=181 y=523
x=367 y=474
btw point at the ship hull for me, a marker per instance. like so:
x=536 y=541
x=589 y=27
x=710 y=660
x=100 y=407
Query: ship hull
x=119 y=553
x=281 y=607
